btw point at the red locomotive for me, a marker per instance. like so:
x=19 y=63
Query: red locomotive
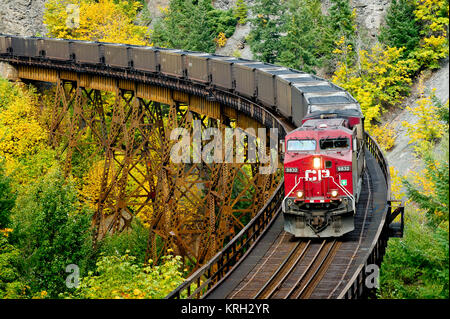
x=323 y=166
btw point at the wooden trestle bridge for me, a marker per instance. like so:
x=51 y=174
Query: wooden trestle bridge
x=198 y=209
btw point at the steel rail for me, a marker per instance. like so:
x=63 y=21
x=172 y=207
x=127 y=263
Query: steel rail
x=283 y=271
x=305 y=272
x=360 y=235
x=308 y=287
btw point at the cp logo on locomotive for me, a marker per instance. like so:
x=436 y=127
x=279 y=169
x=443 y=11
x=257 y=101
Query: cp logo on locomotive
x=313 y=175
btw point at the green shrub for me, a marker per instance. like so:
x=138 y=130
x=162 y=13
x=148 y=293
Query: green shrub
x=416 y=266
x=120 y=277
x=51 y=232
x=132 y=242
x=240 y=11
x=402 y=28
x=10 y=284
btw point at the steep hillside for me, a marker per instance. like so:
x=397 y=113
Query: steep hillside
x=401 y=156
x=369 y=17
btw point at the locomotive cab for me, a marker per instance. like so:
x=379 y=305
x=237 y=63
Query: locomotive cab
x=322 y=178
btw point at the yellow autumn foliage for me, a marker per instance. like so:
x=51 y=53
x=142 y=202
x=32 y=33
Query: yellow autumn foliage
x=90 y=193
x=221 y=40
x=396 y=184
x=24 y=147
x=422 y=180
x=428 y=127
x=380 y=79
x=384 y=135
x=433 y=16
x=103 y=20
x=20 y=131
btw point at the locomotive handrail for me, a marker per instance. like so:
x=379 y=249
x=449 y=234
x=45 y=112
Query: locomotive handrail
x=285 y=197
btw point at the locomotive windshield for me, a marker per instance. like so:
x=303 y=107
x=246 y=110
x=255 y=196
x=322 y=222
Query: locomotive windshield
x=334 y=143
x=301 y=145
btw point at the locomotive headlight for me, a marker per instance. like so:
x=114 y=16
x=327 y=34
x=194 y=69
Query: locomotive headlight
x=316 y=162
x=300 y=194
x=334 y=193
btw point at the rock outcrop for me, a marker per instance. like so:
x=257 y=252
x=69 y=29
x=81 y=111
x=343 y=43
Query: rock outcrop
x=22 y=17
x=369 y=13
x=227 y=4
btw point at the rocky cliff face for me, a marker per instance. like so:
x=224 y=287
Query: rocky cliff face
x=22 y=17
x=369 y=13
x=155 y=7
x=227 y=4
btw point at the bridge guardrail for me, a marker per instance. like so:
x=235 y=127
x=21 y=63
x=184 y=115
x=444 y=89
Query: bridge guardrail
x=356 y=287
x=229 y=257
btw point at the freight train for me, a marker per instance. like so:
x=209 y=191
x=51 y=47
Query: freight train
x=324 y=156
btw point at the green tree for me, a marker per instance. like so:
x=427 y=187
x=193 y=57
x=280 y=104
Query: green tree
x=401 y=28
x=240 y=11
x=302 y=46
x=340 y=27
x=435 y=203
x=7 y=199
x=193 y=25
x=268 y=28
x=341 y=19
x=52 y=232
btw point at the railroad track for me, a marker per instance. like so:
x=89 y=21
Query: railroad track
x=314 y=272
x=311 y=259
x=283 y=271
x=303 y=269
